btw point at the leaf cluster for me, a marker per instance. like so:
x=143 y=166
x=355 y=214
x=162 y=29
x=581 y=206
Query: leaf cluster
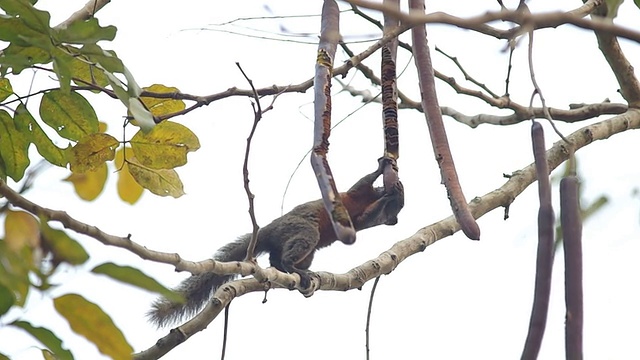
x=72 y=53
x=30 y=254
x=66 y=132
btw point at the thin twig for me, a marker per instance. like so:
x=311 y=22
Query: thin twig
x=225 y=331
x=466 y=74
x=366 y=331
x=525 y=10
x=257 y=115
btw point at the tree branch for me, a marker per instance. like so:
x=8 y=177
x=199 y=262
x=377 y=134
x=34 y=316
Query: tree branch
x=87 y=12
x=533 y=21
x=622 y=68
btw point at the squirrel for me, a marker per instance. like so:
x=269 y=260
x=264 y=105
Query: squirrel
x=292 y=239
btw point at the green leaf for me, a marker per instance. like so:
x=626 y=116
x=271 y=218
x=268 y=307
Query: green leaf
x=5 y=89
x=165 y=146
x=143 y=117
x=89 y=320
x=132 y=276
x=7 y=299
x=35 y=19
x=3 y=170
x=62 y=63
x=13 y=147
x=15 y=31
x=4 y=357
x=92 y=151
x=62 y=246
x=47 y=338
x=86 y=32
x=133 y=88
x=32 y=130
x=637 y=2
x=14 y=271
x=162 y=182
x=69 y=114
x=19 y=57
x=107 y=59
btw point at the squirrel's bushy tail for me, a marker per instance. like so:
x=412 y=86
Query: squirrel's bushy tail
x=198 y=289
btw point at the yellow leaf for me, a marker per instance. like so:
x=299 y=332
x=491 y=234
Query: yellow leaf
x=159 y=107
x=128 y=189
x=92 y=151
x=89 y=185
x=81 y=70
x=163 y=182
x=89 y=320
x=165 y=146
x=5 y=88
x=21 y=229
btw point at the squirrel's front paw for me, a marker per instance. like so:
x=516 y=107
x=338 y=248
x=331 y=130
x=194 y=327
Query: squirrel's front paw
x=305 y=279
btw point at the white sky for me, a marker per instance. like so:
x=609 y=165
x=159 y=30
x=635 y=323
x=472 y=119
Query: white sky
x=458 y=299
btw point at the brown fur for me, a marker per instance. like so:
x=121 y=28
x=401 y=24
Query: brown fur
x=291 y=241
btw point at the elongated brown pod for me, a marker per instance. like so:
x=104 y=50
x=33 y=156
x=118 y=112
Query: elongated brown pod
x=437 y=131
x=571 y=220
x=389 y=87
x=391 y=178
x=544 y=260
x=329 y=36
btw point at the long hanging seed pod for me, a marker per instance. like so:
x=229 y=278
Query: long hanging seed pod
x=389 y=86
x=544 y=260
x=329 y=36
x=437 y=131
x=390 y=177
x=571 y=220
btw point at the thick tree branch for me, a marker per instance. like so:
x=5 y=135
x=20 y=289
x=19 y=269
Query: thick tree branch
x=532 y=21
x=87 y=12
x=125 y=242
x=622 y=68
